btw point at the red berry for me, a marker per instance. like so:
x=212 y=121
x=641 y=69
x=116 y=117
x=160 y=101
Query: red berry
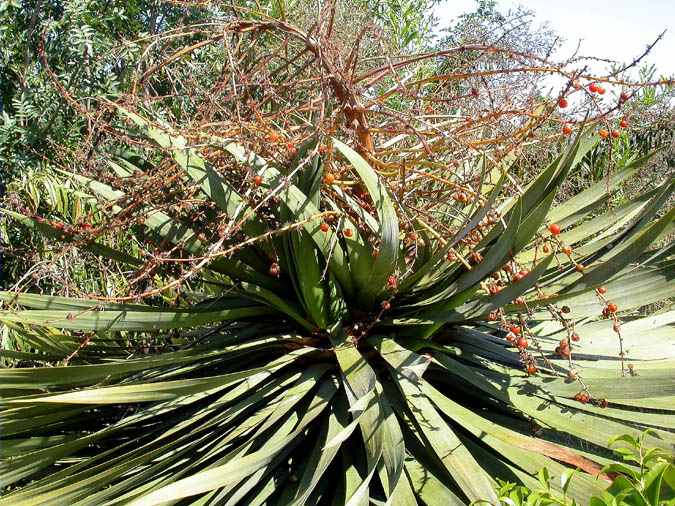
x=601 y=290
x=567 y=250
x=567 y=130
x=510 y=337
x=531 y=369
x=324 y=227
x=329 y=178
x=554 y=228
x=474 y=92
x=386 y=305
x=601 y=90
x=257 y=180
x=579 y=267
x=575 y=337
x=347 y=232
x=522 y=343
x=515 y=329
x=451 y=257
x=292 y=150
x=275 y=269
x=582 y=397
x=603 y=133
x=615 y=133
x=623 y=123
x=323 y=149
x=612 y=308
x=392 y=282
x=592 y=87
x=562 y=102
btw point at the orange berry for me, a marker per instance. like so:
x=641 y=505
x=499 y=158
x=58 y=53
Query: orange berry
x=601 y=290
x=273 y=137
x=515 y=329
x=329 y=178
x=612 y=308
x=567 y=250
x=531 y=369
x=562 y=102
x=522 y=343
x=554 y=228
x=257 y=180
x=623 y=123
x=324 y=227
x=579 y=267
x=567 y=130
x=603 y=133
x=347 y=232
x=601 y=90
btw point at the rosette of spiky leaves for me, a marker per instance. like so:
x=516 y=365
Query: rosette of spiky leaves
x=303 y=390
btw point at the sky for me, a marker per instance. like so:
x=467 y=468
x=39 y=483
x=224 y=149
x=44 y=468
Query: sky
x=616 y=29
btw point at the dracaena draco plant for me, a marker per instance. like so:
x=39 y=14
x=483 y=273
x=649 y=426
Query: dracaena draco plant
x=311 y=359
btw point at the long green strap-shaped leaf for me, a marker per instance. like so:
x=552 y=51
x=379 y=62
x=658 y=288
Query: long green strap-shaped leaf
x=384 y=263
x=573 y=208
x=623 y=255
x=129 y=320
x=457 y=459
x=239 y=468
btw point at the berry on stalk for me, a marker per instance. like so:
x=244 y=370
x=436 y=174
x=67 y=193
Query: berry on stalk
x=612 y=308
x=324 y=227
x=257 y=180
x=623 y=123
x=554 y=228
x=522 y=343
x=562 y=102
x=567 y=130
x=615 y=133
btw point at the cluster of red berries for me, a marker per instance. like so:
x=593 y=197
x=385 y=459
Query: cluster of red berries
x=596 y=88
x=583 y=397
